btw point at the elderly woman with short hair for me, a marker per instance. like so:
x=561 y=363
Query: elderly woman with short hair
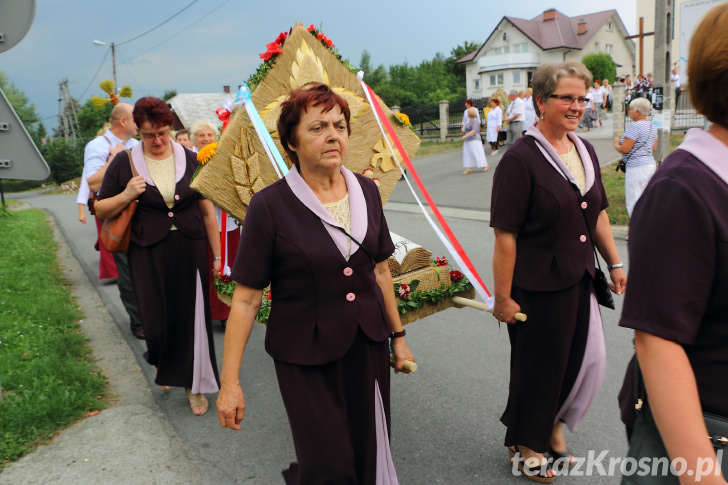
x=319 y=237
x=637 y=145
x=548 y=213
x=202 y=133
x=171 y=228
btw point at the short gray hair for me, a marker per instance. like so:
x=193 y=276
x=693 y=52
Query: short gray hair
x=200 y=125
x=513 y=92
x=642 y=105
x=547 y=76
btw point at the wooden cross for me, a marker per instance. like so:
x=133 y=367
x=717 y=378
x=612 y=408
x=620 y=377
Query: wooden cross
x=641 y=36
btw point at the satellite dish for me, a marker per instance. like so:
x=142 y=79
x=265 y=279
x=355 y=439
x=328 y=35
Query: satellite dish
x=16 y=18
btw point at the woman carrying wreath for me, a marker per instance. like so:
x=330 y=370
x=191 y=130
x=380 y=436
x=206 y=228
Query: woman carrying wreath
x=319 y=238
x=170 y=231
x=543 y=265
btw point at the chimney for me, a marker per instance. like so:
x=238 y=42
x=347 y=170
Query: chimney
x=549 y=14
x=226 y=89
x=581 y=26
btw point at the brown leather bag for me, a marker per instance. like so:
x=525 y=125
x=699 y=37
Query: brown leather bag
x=116 y=232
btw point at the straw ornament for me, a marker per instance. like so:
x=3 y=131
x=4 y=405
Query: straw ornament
x=240 y=166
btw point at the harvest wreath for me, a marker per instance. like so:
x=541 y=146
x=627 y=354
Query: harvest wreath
x=409 y=299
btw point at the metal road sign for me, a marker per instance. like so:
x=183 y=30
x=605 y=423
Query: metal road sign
x=19 y=157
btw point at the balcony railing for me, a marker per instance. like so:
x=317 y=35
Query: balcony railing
x=499 y=62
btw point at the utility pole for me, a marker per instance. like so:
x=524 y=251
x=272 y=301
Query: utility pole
x=661 y=70
x=67 y=119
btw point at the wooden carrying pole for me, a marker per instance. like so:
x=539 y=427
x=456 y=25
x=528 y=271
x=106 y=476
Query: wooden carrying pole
x=408 y=364
x=459 y=300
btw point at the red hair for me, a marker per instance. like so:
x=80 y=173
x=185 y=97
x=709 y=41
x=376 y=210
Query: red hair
x=298 y=102
x=153 y=110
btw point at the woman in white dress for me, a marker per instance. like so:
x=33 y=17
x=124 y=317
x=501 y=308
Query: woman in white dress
x=530 y=111
x=494 y=124
x=473 y=153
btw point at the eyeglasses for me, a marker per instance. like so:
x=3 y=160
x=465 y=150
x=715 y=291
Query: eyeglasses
x=153 y=136
x=569 y=99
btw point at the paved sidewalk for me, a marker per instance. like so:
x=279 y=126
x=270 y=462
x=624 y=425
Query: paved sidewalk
x=131 y=441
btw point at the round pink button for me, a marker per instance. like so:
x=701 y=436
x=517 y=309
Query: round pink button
x=170 y=214
x=584 y=205
x=582 y=238
x=348 y=271
x=176 y=196
x=350 y=296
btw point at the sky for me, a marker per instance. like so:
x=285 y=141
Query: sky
x=212 y=43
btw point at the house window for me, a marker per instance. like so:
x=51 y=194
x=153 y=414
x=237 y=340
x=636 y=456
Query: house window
x=596 y=46
x=609 y=26
x=498 y=51
x=476 y=83
x=523 y=47
x=516 y=78
x=504 y=36
x=608 y=48
x=506 y=49
x=496 y=79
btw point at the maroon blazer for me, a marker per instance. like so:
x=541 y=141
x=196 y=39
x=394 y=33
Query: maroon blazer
x=319 y=300
x=532 y=199
x=153 y=219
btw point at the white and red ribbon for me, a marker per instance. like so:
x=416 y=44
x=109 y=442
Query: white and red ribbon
x=448 y=239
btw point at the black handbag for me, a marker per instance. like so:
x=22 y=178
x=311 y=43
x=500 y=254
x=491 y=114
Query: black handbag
x=601 y=287
x=646 y=446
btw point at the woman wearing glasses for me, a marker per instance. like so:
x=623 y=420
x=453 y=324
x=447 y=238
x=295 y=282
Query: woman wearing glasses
x=543 y=265
x=168 y=252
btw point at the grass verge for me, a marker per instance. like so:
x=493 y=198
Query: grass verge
x=428 y=147
x=48 y=375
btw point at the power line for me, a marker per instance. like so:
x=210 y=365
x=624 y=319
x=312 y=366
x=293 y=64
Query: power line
x=94 y=78
x=184 y=29
x=156 y=26
x=126 y=65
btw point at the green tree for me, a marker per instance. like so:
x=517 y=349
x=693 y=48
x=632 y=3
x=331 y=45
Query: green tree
x=459 y=52
x=24 y=108
x=91 y=119
x=169 y=94
x=601 y=66
x=65 y=159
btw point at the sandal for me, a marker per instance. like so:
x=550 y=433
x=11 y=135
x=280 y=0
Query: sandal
x=198 y=403
x=485 y=169
x=535 y=473
x=562 y=457
x=467 y=172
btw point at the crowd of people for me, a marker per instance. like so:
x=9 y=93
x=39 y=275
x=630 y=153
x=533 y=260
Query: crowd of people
x=334 y=328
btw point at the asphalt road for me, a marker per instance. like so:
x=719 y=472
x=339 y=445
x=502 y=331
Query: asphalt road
x=445 y=417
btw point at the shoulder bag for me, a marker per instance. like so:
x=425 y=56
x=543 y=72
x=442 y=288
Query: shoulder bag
x=116 y=232
x=646 y=444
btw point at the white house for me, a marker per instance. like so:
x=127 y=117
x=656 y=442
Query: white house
x=513 y=51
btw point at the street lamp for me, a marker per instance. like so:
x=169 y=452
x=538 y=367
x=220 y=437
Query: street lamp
x=113 y=59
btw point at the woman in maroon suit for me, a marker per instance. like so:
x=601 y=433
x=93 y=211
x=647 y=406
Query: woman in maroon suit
x=543 y=265
x=170 y=231
x=320 y=239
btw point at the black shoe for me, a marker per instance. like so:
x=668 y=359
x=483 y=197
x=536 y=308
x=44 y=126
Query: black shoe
x=138 y=333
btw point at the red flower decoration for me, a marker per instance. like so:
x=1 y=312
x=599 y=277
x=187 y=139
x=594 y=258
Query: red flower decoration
x=456 y=276
x=281 y=38
x=225 y=278
x=441 y=261
x=404 y=291
x=268 y=296
x=311 y=27
x=329 y=43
